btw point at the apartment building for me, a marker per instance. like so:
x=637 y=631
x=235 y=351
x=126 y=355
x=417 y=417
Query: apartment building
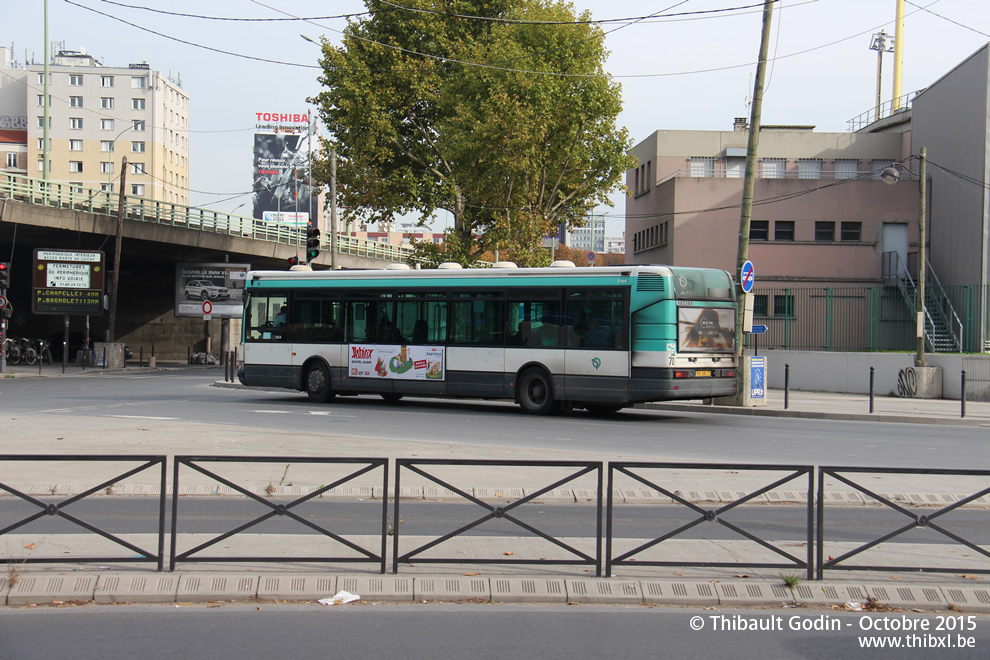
x=97 y=115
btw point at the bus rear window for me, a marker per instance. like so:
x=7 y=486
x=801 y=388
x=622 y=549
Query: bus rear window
x=701 y=284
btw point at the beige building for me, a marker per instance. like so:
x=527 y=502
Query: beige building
x=821 y=213
x=97 y=116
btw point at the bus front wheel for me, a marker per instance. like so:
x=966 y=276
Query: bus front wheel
x=536 y=393
x=318 y=383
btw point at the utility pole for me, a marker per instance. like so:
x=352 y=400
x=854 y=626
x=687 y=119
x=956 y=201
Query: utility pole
x=333 y=209
x=919 y=358
x=121 y=201
x=749 y=181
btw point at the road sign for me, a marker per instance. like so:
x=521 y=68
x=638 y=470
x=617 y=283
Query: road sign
x=758 y=329
x=3 y=302
x=207 y=308
x=747 y=276
x=68 y=282
x=591 y=256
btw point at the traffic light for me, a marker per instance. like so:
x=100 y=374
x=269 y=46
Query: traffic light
x=312 y=243
x=293 y=261
x=4 y=275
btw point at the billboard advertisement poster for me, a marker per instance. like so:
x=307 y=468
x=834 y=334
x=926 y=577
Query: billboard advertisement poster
x=396 y=362
x=282 y=186
x=222 y=284
x=757 y=377
x=706 y=329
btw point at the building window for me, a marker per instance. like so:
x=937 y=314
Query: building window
x=75 y=80
x=41 y=122
x=772 y=168
x=846 y=168
x=137 y=147
x=137 y=83
x=76 y=187
x=75 y=145
x=783 y=305
x=106 y=124
x=760 y=304
x=41 y=100
x=41 y=144
x=138 y=124
x=106 y=145
x=851 y=231
x=137 y=189
x=106 y=81
x=106 y=102
x=783 y=230
x=106 y=187
x=75 y=123
x=759 y=230
x=41 y=78
x=702 y=167
x=809 y=168
x=137 y=168
x=106 y=168
x=137 y=104
x=75 y=166
x=76 y=101
x=11 y=159
x=824 y=231
x=41 y=164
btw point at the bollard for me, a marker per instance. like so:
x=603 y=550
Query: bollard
x=188 y=355
x=872 y=369
x=787 y=385
x=141 y=357
x=962 y=397
x=104 y=357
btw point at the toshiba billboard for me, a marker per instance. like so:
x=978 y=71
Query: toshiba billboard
x=283 y=192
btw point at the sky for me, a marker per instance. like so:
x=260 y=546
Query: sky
x=688 y=72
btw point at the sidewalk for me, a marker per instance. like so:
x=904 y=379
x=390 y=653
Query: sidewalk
x=850 y=407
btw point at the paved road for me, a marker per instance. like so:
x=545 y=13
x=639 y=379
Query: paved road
x=479 y=631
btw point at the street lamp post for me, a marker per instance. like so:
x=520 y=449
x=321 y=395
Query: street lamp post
x=891 y=176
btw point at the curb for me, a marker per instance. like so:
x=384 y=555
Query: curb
x=130 y=587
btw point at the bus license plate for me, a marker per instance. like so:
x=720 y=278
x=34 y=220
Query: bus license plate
x=703 y=373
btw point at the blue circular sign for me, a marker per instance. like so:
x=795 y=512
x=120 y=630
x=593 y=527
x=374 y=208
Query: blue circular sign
x=747 y=276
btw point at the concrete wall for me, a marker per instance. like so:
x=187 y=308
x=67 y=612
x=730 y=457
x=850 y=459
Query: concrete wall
x=850 y=372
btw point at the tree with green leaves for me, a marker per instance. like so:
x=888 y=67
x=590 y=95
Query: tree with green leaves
x=497 y=111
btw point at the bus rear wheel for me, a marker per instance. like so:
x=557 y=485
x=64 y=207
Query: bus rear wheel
x=536 y=393
x=317 y=382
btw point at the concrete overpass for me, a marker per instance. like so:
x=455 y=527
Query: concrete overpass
x=156 y=236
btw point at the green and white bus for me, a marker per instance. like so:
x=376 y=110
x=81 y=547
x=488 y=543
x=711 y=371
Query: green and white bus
x=595 y=338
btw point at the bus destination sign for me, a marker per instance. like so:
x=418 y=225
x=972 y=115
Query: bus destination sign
x=68 y=282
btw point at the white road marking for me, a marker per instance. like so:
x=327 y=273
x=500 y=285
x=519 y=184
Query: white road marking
x=143 y=417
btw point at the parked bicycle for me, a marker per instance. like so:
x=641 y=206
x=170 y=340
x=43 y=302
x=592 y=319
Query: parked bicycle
x=12 y=350
x=44 y=351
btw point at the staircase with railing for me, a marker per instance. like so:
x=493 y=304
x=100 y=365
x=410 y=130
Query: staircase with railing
x=943 y=329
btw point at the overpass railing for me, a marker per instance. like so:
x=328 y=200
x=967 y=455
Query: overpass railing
x=59 y=194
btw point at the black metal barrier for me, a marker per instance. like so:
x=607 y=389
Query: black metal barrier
x=279 y=509
x=59 y=508
x=500 y=512
x=916 y=520
x=710 y=515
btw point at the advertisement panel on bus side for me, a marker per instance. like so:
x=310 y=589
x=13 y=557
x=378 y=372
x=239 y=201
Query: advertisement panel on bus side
x=399 y=362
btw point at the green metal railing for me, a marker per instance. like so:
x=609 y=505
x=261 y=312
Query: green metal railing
x=858 y=318
x=67 y=196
